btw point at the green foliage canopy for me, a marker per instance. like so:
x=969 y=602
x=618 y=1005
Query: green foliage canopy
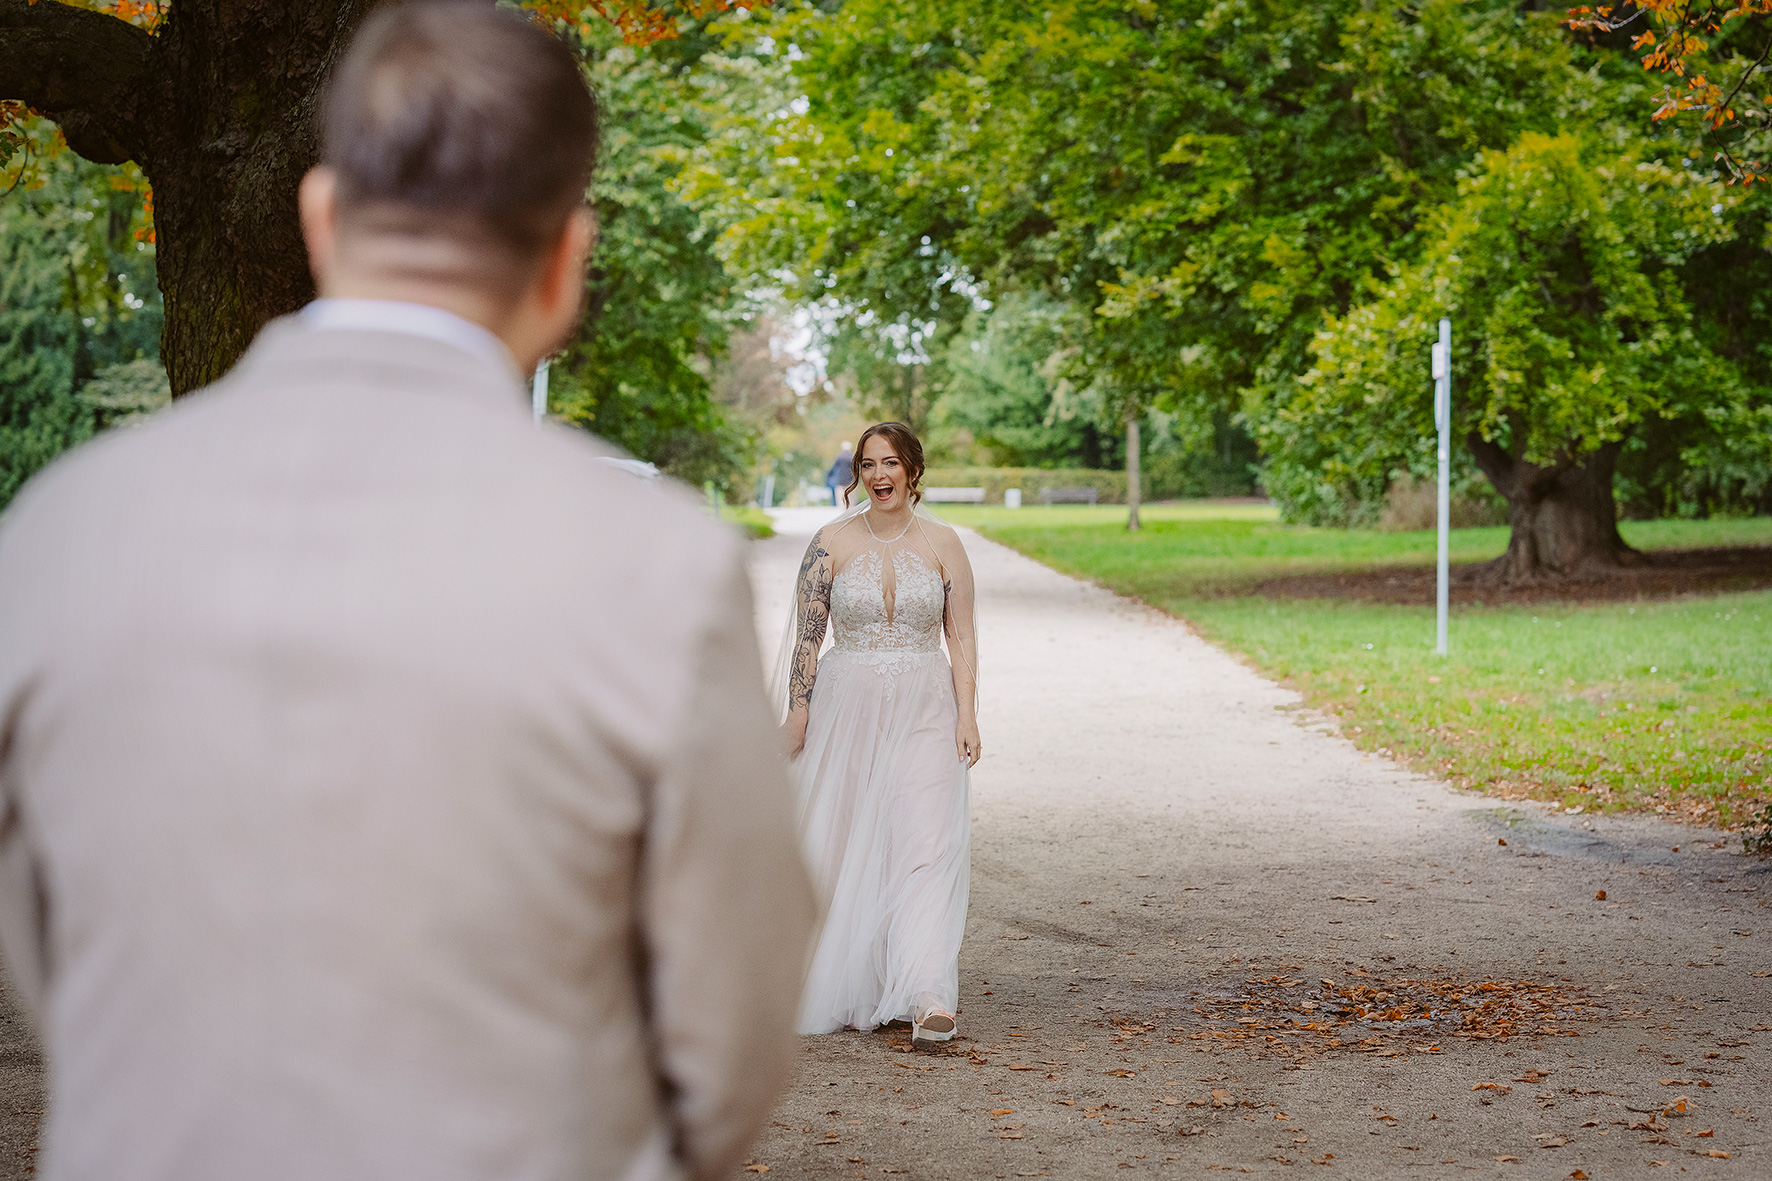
x=659 y=301
x=1559 y=265
x=1202 y=184
x=1198 y=181
x=77 y=298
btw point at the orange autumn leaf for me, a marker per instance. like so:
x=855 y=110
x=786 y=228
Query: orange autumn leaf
x=1689 y=31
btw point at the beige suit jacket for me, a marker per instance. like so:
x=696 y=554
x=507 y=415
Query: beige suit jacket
x=387 y=791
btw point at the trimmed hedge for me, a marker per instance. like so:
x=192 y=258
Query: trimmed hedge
x=1110 y=486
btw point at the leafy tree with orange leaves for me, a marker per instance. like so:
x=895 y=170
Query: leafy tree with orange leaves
x=1716 y=59
x=215 y=101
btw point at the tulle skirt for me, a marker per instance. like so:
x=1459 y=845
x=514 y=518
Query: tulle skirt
x=884 y=817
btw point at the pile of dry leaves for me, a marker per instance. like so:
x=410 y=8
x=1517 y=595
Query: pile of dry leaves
x=1364 y=1013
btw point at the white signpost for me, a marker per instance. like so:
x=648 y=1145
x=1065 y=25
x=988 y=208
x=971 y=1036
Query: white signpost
x=539 y=392
x=1443 y=422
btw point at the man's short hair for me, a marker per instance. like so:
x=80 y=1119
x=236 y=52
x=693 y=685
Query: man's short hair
x=456 y=120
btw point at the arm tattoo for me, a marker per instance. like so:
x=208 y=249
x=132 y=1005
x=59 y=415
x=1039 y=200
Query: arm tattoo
x=813 y=606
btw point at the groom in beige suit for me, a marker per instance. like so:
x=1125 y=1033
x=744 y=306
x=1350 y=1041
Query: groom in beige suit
x=386 y=785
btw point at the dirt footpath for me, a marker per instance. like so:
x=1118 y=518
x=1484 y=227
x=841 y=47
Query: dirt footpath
x=1208 y=934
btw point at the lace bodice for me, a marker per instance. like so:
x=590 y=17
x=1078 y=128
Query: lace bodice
x=858 y=605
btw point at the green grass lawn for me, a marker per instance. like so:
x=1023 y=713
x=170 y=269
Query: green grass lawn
x=1662 y=705
x=749 y=519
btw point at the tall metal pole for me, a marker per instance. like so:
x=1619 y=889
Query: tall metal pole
x=539 y=392
x=1443 y=420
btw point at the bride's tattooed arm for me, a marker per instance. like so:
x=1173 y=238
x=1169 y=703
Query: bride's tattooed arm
x=812 y=606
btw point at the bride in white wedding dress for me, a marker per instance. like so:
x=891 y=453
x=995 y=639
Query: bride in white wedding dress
x=885 y=730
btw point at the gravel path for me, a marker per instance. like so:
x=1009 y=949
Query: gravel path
x=1207 y=933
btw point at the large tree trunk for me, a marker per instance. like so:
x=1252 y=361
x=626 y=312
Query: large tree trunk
x=219 y=107
x=245 y=79
x=1563 y=517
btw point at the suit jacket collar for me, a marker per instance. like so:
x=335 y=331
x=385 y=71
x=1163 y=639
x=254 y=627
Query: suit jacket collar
x=288 y=345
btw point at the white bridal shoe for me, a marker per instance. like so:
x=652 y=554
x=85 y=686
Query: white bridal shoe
x=933 y=1026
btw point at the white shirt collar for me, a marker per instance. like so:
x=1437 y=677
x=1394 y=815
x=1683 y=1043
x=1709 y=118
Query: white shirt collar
x=415 y=319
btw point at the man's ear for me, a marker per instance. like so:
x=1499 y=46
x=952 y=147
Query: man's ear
x=560 y=291
x=318 y=202
x=572 y=253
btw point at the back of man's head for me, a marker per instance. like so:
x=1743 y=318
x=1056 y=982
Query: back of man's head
x=462 y=131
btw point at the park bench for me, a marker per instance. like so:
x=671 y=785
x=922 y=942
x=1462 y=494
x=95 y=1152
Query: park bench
x=1068 y=495
x=954 y=495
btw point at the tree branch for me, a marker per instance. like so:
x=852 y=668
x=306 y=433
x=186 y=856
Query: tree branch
x=86 y=70
x=1493 y=462
x=1729 y=99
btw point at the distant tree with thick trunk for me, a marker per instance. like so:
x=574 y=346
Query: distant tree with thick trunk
x=218 y=102
x=1558 y=265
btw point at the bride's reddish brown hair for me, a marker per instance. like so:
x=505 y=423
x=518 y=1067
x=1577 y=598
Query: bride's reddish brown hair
x=904 y=443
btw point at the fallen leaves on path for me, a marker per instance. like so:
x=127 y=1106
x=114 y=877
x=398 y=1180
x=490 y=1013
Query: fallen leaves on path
x=1288 y=1015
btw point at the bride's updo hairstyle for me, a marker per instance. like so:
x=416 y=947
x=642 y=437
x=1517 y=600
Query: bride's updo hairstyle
x=904 y=444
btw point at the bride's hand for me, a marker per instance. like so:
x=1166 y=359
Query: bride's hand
x=966 y=742
x=793 y=733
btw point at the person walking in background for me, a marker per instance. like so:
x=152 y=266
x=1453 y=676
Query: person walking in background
x=387 y=788
x=842 y=469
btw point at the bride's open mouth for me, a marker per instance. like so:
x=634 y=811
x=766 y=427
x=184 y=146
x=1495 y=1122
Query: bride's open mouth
x=882 y=490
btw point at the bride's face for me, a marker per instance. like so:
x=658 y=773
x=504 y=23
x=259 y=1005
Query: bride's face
x=883 y=476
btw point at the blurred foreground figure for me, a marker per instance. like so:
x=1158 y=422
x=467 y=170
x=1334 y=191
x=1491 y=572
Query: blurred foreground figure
x=386 y=785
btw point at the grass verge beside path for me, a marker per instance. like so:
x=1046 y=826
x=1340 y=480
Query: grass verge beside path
x=1659 y=704
x=750 y=520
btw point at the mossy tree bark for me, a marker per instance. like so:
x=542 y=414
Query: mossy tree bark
x=1563 y=517
x=219 y=107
